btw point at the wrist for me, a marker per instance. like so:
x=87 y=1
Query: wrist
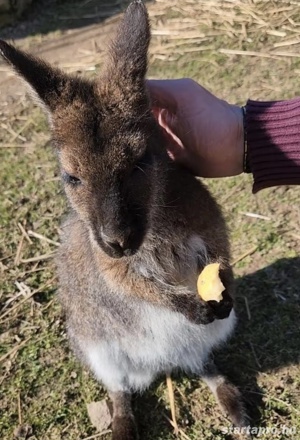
x=273 y=142
x=238 y=147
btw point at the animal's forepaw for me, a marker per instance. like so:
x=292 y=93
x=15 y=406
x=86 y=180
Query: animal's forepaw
x=222 y=309
x=194 y=309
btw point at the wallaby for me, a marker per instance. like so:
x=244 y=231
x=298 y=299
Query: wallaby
x=140 y=230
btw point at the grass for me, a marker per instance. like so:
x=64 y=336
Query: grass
x=42 y=385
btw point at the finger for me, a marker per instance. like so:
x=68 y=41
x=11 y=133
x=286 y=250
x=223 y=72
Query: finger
x=162 y=94
x=156 y=111
x=174 y=145
x=169 y=122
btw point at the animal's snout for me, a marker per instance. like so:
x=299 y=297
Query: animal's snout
x=117 y=243
x=114 y=243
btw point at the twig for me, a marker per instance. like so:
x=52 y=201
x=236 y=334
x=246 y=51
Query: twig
x=181 y=432
x=287 y=54
x=13 y=146
x=24 y=233
x=248 y=53
x=4 y=377
x=27 y=297
x=43 y=238
x=17 y=134
x=6 y=257
x=193 y=49
x=287 y=42
x=100 y=434
x=276 y=33
x=19 y=250
x=254 y=355
x=293 y=235
x=254 y=215
x=172 y=402
x=23 y=290
x=39 y=269
x=48 y=305
x=14 y=350
x=177 y=34
x=38 y=258
x=273 y=55
x=65 y=428
x=241 y=257
x=276 y=400
x=19 y=409
x=11 y=131
x=247 y=308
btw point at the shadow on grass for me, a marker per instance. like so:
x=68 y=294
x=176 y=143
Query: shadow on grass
x=61 y=15
x=267 y=338
x=150 y=411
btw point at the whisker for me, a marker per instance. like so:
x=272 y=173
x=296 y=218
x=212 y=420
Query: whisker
x=141 y=169
x=165 y=206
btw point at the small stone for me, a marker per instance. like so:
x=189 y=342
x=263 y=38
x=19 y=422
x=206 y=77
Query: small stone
x=99 y=414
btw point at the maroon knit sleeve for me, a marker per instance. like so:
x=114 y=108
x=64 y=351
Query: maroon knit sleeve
x=273 y=135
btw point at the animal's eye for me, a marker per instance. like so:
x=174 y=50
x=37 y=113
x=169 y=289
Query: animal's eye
x=71 y=180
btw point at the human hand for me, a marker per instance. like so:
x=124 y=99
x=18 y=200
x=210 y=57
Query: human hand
x=204 y=132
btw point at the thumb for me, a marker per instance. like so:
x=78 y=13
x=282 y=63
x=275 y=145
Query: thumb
x=170 y=124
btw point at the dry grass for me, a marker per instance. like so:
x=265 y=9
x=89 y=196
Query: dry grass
x=238 y=49
x=239 y=21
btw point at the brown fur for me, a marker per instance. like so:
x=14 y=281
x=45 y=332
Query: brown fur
x=128 y=240
x=231 y=401
x=123 y=425
x=228 y=396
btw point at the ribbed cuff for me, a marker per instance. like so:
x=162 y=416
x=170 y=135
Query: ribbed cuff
x=273 y=134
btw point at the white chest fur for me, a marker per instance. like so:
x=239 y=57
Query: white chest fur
x=163 y=340
x=167 y=341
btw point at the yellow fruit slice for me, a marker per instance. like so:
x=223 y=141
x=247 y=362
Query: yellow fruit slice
x=209 y=285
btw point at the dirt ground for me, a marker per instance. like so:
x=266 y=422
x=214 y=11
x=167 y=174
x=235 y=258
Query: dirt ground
x=238 y=49
x=74 y=49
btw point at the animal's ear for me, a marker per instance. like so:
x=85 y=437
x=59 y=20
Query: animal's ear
x=47 y=82
x=130 y=48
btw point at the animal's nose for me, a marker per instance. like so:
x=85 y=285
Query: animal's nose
x=115 y=243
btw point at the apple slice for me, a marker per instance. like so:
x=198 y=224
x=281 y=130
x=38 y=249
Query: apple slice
x=209 y=285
